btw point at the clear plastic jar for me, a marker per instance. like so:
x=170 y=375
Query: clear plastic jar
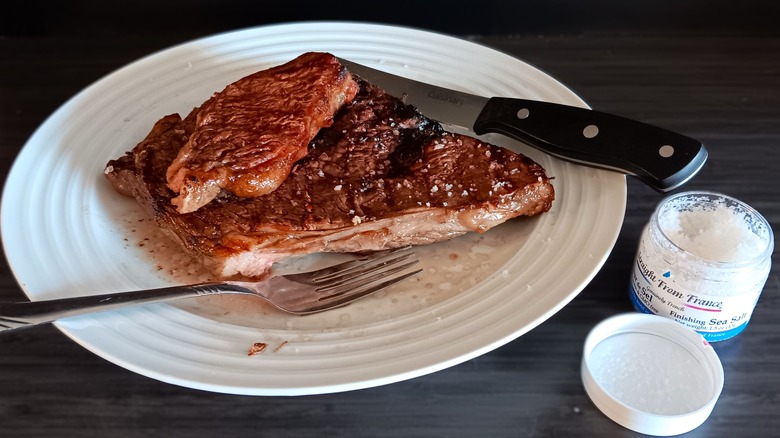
x=703 y=260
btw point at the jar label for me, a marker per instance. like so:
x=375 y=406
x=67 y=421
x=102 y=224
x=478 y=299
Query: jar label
x=653 y=289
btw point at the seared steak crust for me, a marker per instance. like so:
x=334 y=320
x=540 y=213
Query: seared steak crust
x=383 y=175
x=247 y=137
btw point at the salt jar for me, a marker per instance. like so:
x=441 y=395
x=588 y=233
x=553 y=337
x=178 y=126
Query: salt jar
x=703 y=260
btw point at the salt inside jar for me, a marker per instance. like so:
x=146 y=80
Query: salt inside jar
x=703 y=260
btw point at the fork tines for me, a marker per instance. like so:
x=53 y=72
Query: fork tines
x=367 y=275
x=364 y=264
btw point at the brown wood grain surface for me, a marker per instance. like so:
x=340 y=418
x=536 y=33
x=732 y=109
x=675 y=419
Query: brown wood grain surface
x=721 y=89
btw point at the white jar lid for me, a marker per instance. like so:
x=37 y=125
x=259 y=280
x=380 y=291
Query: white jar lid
x=651 y=374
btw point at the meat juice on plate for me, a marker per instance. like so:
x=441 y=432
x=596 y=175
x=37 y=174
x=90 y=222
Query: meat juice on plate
x=450 y=268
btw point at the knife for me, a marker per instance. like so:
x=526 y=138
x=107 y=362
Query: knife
x=662 y=159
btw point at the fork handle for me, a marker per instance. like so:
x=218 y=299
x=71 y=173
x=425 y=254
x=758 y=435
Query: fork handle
x=24 y=314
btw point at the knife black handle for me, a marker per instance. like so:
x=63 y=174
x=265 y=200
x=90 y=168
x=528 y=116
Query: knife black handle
x=663 y=159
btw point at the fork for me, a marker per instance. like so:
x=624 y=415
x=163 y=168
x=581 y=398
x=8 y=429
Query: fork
x=300 y=293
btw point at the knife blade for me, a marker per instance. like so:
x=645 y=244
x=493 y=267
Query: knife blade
x=662 y=159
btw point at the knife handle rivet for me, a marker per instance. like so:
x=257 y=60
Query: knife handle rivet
x=590 y=131
x=523 y=113
x=666 y=151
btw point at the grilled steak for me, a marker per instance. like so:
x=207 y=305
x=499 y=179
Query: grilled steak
x=382 y=176
x=246 y=138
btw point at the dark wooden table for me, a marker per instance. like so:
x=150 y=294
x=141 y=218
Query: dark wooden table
x=723 y=89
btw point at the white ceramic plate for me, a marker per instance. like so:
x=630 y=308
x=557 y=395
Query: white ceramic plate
x=67 y=233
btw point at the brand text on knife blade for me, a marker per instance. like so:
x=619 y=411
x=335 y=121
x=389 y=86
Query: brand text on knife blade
x=433 y=94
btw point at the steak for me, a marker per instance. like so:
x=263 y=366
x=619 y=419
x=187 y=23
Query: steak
x=247 y=137
x=382 y=176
